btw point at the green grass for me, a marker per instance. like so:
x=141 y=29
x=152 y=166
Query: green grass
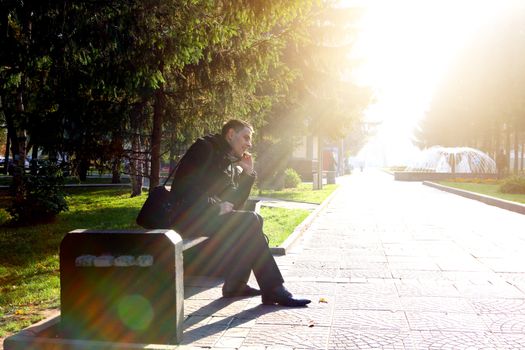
x=279 y=223
x=29 y=267
x=486 y=189
x=303 y=193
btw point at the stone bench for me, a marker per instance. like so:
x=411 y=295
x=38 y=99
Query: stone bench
x=119 y=289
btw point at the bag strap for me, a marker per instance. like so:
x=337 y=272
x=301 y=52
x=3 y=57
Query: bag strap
x=172 y=172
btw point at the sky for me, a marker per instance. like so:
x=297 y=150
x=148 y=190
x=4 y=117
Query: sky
x=406 y=46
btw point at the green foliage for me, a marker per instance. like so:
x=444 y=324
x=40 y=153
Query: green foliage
x=291 y=178
x=514 y=184
x=40 y=197
x=96 y=81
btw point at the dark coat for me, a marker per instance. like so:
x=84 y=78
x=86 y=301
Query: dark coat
x=206 y=176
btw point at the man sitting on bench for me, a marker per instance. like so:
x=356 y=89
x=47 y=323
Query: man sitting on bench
x=211 y=183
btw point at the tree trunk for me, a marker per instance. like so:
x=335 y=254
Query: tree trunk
x=115 y=170
x=117 y=151
x=156 y=138
x=7 y=142
x=33 y=165
x=20 y=133
x=82 y=169
x=7 y=150
x=507 y=147
x=20 y=156
x=136 y=158
x=516 y=150
x=522 y=151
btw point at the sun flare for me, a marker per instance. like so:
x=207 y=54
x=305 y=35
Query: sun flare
x=406 y=47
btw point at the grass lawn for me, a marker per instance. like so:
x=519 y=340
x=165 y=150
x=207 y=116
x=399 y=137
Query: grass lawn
x=486 y=189
x=279 y=223
x=303 y=193
x=29 y=267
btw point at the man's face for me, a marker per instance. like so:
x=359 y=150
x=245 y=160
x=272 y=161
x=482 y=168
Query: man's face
x=240 y=141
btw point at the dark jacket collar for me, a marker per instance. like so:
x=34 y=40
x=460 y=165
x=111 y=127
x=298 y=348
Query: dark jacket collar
x=219 y=143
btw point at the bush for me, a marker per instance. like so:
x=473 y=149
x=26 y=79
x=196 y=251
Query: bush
x=42 y=196
x=291 y=178
x=515 y=185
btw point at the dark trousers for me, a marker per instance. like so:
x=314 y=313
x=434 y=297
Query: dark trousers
x=238 y=242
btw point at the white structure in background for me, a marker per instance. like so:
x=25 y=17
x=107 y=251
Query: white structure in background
x=438 y=159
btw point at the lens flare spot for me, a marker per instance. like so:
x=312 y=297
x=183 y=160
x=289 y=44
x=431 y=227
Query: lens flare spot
x=135 y=312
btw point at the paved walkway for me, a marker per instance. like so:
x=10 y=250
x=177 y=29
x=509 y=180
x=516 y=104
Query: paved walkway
x=388 y=265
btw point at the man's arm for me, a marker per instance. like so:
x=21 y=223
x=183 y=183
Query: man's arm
x=189 y=183
x=246 y=180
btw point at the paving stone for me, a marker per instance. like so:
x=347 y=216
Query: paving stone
x=513 y=278
x=473 y=277
x=424 y=265
x=241 y=332
x=440 y=340
x=312 y=288
x=199 y=281
x=394 y=274
x=348 y=261
x=436 y=304
x=229 y=342
x=195 y=293
x=318 y=314
x=372 y=286
x=426 y=288
x=416 y=274
x=204 y=335
x=488 y=291
x=319 y=264
x=296 y=337
x=510 y=341
x=348 y=338
x=364 y=265
x=218 y=307
x=371 y=301
x=311 y=272
x=499 y=306
x=403 y=249
x=444 y=321
x=369 y=319
x=364 y=273
x=505 y=323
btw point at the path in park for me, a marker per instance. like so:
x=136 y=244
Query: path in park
x=388 y=265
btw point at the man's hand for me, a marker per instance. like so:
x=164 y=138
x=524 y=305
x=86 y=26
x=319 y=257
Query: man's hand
x=246 y=163
x=226 y=207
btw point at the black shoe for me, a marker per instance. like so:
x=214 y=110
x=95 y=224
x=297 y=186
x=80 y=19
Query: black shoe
x=244 y=291
x=281 y=296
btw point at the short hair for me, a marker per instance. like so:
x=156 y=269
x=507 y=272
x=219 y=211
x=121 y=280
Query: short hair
x=236 y=125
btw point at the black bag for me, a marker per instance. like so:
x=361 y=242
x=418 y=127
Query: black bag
x=158 y=210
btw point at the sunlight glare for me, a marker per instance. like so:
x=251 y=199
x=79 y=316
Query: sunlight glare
x=406 y=47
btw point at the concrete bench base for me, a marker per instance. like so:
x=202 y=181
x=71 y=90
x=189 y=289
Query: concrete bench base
x=44 y=336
